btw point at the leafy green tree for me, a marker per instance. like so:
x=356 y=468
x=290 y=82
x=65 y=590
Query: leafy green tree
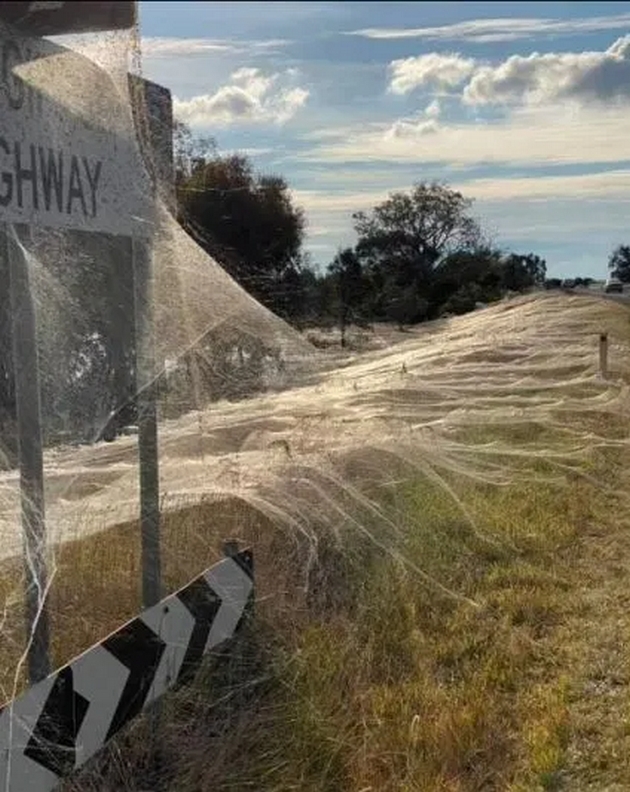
x=464 y=299
x=248 y=223
x=405 y=306
x=461 y=269
x=350 y=287
x=189 y=151
x=619 y=263
x=523 y=271
x=410 y=232
x=403 y=239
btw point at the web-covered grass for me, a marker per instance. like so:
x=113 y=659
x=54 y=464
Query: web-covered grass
x=410 y=514
x=412 y=511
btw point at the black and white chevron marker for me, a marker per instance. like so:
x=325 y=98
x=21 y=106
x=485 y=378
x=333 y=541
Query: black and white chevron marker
x=58 y=724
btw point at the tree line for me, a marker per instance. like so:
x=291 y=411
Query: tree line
x=619 y=263
x=419 y=255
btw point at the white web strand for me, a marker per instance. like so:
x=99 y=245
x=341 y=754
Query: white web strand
x=528 y=362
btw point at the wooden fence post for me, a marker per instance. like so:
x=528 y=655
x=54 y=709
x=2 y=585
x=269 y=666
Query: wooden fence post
x=603 y=355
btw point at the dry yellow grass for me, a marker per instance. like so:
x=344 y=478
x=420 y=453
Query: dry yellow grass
x=396 y=687
x=442 y=642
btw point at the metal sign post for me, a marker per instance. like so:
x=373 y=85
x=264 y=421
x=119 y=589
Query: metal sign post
x=147 y=421
x=29 y=435
x=61 y=172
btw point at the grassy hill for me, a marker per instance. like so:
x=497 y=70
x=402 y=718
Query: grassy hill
x=439 y=533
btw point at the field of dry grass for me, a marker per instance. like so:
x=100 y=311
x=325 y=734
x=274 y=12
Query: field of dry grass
x=447 y=633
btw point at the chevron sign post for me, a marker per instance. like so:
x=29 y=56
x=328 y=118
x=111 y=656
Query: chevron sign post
x=58 y=724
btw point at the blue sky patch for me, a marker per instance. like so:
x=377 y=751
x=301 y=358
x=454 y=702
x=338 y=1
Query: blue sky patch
x=523 y=107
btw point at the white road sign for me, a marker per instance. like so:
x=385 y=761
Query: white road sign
x=68 y=152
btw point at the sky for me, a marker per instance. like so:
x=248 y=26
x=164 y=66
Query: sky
x=523 y=107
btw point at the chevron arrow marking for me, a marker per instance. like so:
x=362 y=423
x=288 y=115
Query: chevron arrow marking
x=234 y=586
x=58 y=724
x=53 y=741
x=203 y=604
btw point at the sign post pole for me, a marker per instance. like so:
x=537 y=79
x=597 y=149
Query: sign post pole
x=147 y=420
x=147 y=447
x=29 y=433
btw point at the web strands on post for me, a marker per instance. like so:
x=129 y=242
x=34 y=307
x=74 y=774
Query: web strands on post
x=51 y=17
x=75 y=157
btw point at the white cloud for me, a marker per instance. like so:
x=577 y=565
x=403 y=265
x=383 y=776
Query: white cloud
x=424 y=124
x=548 y=135
x=507 y=29
x=251 y=97
x=537 y=78
x=607 y=186
x=578 y=223
x=315 y=201
x=545 y=78
x=434 y=69
x=253 y=151
x=411 y=129
x=155 y=47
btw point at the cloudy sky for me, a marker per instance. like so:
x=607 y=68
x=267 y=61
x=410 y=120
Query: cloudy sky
x=524 y=107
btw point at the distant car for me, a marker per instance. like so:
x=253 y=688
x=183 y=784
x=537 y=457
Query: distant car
x=613 y=286
x=568 y=283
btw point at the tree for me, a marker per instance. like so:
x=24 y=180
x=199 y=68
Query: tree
x=405 y=306
x=619 y=263
x=523 y=271
x=463 y=300
x=409 y=233
x=458 y=272
x=403 y=239
x=189 y=151
x=347 y=274
x=248 y=223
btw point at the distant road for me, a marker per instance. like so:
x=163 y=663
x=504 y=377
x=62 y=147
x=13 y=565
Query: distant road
x=597 y=289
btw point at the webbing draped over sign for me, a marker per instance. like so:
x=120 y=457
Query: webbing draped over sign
x=64 y=162
x=53 y=18
x=58 y=724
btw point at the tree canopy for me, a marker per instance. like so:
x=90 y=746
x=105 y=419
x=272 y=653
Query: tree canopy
x=619 y=263
x=418 y=254
x=409 y=233
x=248 y=223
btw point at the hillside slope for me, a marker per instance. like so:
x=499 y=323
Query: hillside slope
x=439 y=533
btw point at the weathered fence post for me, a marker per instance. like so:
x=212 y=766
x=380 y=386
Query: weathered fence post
x=603 y=355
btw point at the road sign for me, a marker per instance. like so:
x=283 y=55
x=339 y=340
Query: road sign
x=68 y=151
x=56 y=18
x=58 y=724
